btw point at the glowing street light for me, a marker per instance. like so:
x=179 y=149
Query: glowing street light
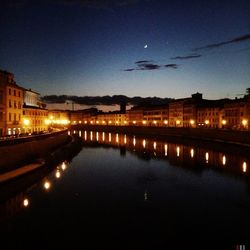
x=191 y=122
x=58 y=174
x=47 y=185
x=192 y=153
x=26 y=122
x=244 y=167
x=25 y=202
x=244 y=122
x=224 y=122
x=178 y=151
x=224 y=160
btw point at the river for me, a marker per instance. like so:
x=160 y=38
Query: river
x=133 y=192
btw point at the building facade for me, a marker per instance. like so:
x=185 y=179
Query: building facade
x=35 y=114
x=236 y=115
x=11 y=100
x=112 y=118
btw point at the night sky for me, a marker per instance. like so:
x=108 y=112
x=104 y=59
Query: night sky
x=144 y=48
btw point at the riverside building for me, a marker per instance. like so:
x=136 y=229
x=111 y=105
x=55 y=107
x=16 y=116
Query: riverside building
x=11 y=100
x=35 y=115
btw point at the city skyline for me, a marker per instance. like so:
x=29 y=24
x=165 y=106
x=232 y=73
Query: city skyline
x=133 y=48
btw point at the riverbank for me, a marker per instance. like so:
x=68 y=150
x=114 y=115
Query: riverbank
x=230 y=137
x=65 y=152
x=23 y=151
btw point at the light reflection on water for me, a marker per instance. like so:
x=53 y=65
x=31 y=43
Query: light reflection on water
x=115 y=176
x=174 y=152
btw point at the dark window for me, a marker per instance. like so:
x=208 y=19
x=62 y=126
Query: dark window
x=19 y=93
x=9 y=91
x=14 y=92
x=9 y=103
x=1 y=116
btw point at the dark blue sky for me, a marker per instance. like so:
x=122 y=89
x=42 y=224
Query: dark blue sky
x=82 y=47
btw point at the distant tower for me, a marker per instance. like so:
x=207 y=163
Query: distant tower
x=123 y=107
x=197 y=96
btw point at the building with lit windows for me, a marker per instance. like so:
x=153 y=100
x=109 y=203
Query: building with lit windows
x=156 y=115
x=136 y=115
x=111 y=118
x=236 y=114
x=11 y=100
x=35 y=115
x=83 y=116
x=182 y=112
x=58 y=117
x=210 y=114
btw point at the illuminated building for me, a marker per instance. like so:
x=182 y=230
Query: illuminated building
x=11 y=100
x=236 y=114
x=210 y=113
x=34 y=113
x=83 y=115
x=156 y=115
x=58 y=118
x=112 y=118
x=182 y=112
x=136 y=115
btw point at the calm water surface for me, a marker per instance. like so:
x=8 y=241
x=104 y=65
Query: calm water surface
x=133 y=192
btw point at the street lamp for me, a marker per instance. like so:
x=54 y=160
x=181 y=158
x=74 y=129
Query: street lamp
x=191 y=122
x=224 y=122
x=244 y=122
x=26 y=122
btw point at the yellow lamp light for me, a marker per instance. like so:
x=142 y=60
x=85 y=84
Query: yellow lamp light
x=26 y=122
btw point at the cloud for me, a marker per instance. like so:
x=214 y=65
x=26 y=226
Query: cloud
x=143 y=61
x=148 y=65
x=172 y=65
x=186 y=57
x=220 y=44
x=128 y=70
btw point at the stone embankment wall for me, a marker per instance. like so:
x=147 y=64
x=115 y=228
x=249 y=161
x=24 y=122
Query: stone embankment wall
x=213 y=135
x=20 y=151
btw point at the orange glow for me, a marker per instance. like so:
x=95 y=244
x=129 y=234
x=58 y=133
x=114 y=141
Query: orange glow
x=47 y=185
x=166 y=149
x=244 y=167
x=26 y=202
x=178 y=151
x=192 y=153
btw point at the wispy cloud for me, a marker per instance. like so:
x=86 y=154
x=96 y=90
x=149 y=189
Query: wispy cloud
x=220 y=44
x=143 y=61
x=191 y=56
x=172 y=65
x=148 y=65
x=128 y=70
